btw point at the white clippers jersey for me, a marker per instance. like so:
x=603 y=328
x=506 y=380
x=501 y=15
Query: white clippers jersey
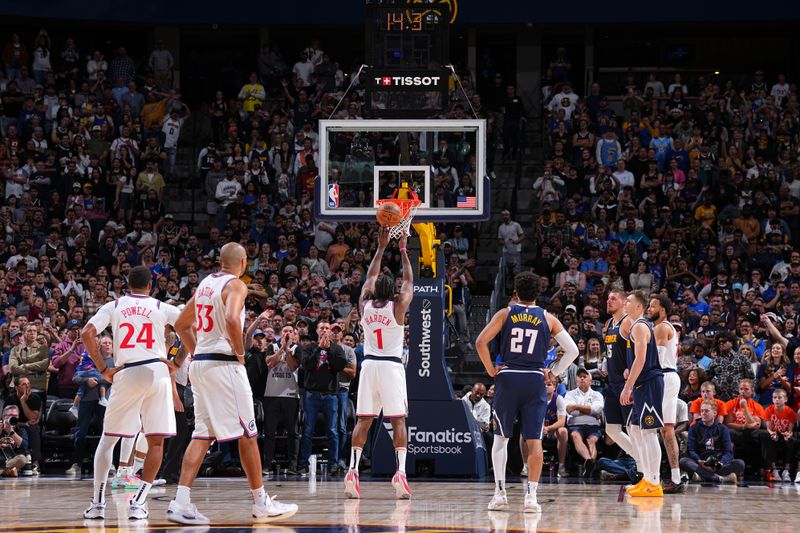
x=668 y=358
x=137 y=323
x=212 y=335
x=383 y=336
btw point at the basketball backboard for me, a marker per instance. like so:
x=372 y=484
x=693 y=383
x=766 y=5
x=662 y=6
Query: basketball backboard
x=443 y=161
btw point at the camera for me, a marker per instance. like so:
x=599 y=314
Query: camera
x=713 y=462
x=13 y=421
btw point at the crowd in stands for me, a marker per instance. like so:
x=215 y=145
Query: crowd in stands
x=691 y=192
x=88 y=154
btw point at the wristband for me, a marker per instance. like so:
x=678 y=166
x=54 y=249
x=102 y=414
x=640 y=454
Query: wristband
x=403 y=249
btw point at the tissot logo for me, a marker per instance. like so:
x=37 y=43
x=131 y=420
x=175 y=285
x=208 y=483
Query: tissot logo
x=408 y=81
x=426 y=289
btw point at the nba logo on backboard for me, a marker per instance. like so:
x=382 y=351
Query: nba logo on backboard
x=333 y=195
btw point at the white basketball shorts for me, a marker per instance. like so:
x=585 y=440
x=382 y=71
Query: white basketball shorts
x=141 y=395
x=223 y=401
x=382 y=387
x=672 y=387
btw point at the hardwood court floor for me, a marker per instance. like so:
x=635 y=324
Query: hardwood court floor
x=56 y=505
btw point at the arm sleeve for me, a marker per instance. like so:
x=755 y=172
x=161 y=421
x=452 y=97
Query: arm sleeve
x=561 y=406
x=570 y=352
x=102 y=318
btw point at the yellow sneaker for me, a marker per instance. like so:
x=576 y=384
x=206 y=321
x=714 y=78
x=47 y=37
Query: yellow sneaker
x=631 y=488
x=647 y=490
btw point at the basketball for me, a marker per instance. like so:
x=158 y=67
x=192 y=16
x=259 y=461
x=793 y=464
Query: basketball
x=388 y=214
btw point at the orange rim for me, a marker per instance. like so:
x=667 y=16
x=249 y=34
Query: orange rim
x=405 y=204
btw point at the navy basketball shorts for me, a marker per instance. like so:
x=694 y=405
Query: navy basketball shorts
x=518 y=393
x=648 y=399
x=615 y=412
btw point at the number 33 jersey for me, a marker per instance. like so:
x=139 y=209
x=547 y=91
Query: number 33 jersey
x=525 y=338
x=137 y=323
x=212 y=333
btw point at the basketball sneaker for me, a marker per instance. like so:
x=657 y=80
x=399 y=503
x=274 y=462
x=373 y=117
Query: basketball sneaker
x=531 y=505
x=786 y=476
x=647 y=490
x=273 y=510
x=400 y=484
x=499 y=501
x=674 y=488
x=137 y=512
x=187 y=515
x=631 y=488
x=95 y=511
x=351 y=488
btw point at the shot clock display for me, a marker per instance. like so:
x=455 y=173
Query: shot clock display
x=407 y=35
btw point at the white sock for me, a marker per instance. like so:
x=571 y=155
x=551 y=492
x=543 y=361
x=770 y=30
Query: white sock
x=126 y=451
x=183 y=495
x=532 y=486
x=499 y=458
x=141 y=494
x=622 y=439
x=400 y=453
x=675 y=474
x=652 y=453
x=355 y=458
x=636 y=440
x=259 y=495
x=103 y=459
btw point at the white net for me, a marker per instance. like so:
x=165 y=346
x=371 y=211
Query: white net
x=404 y=226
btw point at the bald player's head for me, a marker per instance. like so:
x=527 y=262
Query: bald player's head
x=233 y=258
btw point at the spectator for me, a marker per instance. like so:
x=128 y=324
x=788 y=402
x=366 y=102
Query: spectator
x=775 y=372
x=555 y=428
x=29 y=406
x=321 y=362
x=743 y=417
x=480 y=409
x=585 y=410
x=728 y=367
x=779 y=437
x=90 y=409
x=161 y=63
x=13 y=443
x=30 y=360
x=707 y=392
x=711 y=450
x=346 y=377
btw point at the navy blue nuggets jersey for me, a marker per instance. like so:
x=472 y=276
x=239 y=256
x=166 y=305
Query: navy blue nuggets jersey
x=652 y=366
x=525 y=338
x=617 y=353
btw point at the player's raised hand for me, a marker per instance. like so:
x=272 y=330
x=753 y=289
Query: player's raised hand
x=403 y=241
x=383 y=237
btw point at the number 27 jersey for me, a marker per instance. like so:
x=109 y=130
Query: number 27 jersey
x=525 y=338
x=137 y=324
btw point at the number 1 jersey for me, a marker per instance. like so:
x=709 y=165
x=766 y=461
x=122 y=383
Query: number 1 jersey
x=137 y=324
x=525 y=338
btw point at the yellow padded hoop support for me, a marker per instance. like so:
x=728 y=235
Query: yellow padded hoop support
x=427 y=244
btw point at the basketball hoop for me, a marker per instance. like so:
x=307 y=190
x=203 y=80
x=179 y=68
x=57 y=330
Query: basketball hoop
x=408 y=208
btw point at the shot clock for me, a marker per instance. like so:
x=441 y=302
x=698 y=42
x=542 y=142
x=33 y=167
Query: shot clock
x=407 y=35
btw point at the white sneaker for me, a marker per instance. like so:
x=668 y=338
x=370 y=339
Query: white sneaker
x=776 y=474
x=531 y=505
x=499 y=501
x=524 y=472
x=74 y=470
x=400 y=484
x=351 y=485
x=73 y=411
x=797 y=477
x=273 y=510
x=95 y=511
x=137 y=512
x=103 y=401
x=187 y=515
x=562 y=471
x=786 y=476
x=158 y=482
